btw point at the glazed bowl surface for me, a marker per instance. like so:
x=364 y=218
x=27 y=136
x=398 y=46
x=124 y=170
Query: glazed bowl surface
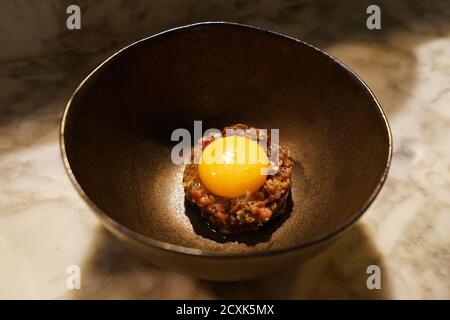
x=116 y=143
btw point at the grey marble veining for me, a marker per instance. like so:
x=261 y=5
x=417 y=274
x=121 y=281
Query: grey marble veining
x=45 y=226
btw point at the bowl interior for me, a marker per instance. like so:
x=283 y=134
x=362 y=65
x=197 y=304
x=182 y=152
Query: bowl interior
x=117 y=131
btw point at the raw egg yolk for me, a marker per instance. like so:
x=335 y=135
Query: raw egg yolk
x=232 y=166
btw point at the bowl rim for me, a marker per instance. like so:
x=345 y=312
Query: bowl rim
x=157 y=244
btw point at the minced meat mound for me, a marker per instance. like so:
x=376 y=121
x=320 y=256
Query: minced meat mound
x=245 y=213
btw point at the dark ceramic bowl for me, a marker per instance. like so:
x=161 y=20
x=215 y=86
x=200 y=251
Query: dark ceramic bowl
x=116 y=143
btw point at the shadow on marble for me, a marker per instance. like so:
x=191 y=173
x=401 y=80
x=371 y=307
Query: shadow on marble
x=112 y=271
x=321 y=21
x=337 y=273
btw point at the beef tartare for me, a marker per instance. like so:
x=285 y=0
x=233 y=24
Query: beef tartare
x=245 y=212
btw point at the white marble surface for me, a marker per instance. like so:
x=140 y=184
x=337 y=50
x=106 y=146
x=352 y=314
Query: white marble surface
x=45 y=226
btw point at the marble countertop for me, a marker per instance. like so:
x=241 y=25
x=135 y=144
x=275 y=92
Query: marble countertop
x=46 y=227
